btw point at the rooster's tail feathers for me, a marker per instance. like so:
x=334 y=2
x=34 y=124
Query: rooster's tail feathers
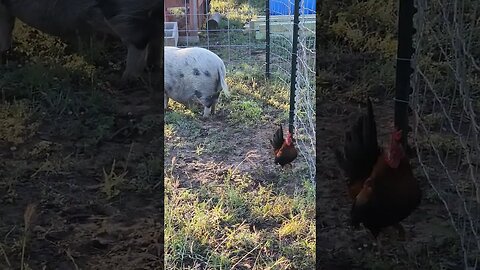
x=277 y=138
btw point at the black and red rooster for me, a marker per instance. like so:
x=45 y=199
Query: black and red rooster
x=380 y=181
x=283 y=149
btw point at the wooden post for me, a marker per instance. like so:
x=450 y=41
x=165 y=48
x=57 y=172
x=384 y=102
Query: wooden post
x=194 y=15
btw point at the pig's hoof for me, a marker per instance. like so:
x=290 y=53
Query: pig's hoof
x=205 y=116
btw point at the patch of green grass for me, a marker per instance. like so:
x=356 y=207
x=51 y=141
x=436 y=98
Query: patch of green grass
x=169 y=130
x=148 y=123
x=250 y=80
x=17 y=121
x=61 y=88
x=252 y=96
x=444 y=143
x=229 y=223
x=245 y=111
x=43 y=149
x=149 y=173
x=54 y=166
x=8 y=185
x=180 y=120
x=433 y=120
x=237 y=12
x=209 y=145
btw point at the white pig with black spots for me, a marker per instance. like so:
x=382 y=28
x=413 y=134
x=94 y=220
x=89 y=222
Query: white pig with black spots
x=194 y=75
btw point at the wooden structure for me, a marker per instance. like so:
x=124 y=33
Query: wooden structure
x=189 y=21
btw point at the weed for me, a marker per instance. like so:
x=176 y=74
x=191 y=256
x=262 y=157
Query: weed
x=112 y=180
x=54 y=165
x=28 y=219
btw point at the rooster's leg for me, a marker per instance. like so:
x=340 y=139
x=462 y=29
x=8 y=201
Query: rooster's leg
x=401 y=231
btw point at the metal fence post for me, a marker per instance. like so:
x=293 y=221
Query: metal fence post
x=293 y=77
x=404 y=69
x=267 y=39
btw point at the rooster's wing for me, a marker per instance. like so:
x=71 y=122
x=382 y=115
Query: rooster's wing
x=277 y=139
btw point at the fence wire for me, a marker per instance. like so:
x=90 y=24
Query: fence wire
x=281 y=42
x=231 y=39
x=446 y=102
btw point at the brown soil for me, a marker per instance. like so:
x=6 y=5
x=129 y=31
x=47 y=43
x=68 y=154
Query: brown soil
x=75 y=225
x=230 y=146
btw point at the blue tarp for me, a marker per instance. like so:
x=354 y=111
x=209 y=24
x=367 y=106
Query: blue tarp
x=286 y=7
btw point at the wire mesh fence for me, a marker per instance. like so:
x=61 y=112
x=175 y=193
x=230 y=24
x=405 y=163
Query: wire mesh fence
x=237 y=42
x=445 y=103
x=281 y=43
x=224 y=33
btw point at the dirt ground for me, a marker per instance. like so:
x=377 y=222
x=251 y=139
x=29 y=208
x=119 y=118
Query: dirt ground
x=238 y=152
x=236 y=147
x=431 y=242
x=86 y=215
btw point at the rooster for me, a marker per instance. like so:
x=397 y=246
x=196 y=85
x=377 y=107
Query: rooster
x=380 y=181
x=283 y=149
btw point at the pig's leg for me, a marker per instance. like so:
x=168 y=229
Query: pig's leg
x=213 y=108
x=155 y=71
x=7 y=21
x=135 y=62
x=153 y=55
x=207 y=111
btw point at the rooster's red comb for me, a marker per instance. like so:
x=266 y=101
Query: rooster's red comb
x=397 y=134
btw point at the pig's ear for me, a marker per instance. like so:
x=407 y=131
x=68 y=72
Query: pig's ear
x=198 y=94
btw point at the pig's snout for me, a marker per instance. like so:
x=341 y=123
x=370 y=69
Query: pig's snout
x=211 y=100
x=207 y=101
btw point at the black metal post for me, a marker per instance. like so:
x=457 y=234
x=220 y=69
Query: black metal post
x=293 y=77
x=267 y=39
x=404 y=69
x=161 y=187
